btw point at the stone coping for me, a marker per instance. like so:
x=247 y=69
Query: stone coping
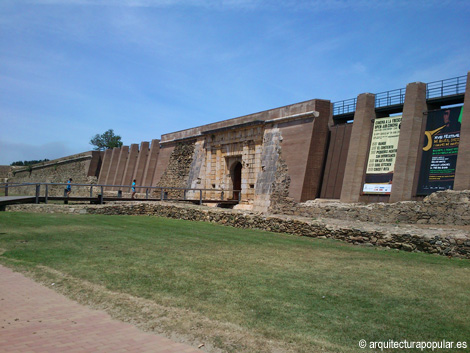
x=291 y=109
x=200 y=131
x=69 y=159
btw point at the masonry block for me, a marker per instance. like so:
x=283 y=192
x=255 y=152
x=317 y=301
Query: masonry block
x=358 y=148
x=130 y=166
x=409 y=143
x=151 y=164
x=141 y=161
x=113 y=166
x=124 y=154
x=105 y=167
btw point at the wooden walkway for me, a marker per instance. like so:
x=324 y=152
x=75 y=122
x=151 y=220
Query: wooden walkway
x=42 y=194
x=11 y=200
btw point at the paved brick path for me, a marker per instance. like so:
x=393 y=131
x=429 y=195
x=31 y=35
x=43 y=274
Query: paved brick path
x=34 y=318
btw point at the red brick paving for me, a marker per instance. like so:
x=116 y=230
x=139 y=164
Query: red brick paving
x=36 y=319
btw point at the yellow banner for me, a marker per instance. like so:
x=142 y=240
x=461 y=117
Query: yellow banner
x=384 y=143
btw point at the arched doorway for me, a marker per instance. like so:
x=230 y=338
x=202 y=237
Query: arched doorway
x=236 y=175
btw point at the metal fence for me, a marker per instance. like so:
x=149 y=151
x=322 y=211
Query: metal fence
x=445 y=88
x=435 y=89
x=388 y=98
x=344 y=107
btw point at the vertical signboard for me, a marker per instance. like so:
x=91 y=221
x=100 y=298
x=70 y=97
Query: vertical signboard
x=382 y=155
x=441 y=144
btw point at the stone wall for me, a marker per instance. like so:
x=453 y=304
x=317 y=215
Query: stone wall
x=280 y=189
x=254 y=141
x=407 y=238
x=266 y=181
x=69 y=208
x=224 y=149
x=198 y=163
x=176 y=175
x=83 y=168
x=443 y=207
x=4 y=173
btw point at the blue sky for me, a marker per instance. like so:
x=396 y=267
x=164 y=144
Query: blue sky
x=70 y=69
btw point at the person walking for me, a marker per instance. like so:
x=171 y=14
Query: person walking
x=69 y=187
x=133 y=189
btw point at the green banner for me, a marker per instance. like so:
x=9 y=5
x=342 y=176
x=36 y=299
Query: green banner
x=440 y=149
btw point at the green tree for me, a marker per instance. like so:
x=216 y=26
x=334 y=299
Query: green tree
x=106 y=140
x=23 y=163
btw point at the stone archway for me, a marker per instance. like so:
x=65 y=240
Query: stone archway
x=236 y=176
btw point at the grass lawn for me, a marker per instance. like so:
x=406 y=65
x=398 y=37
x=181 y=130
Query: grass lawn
x=242 y=290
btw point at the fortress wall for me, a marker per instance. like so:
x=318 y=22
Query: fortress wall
x=292 y=109
x=82 y=168
x=298 y=132
x=163 y=159
x=115 y=154
x=409 y=145
x=333 y=176
x=5 y=171
x=283 y=156
x=151 y=163
x=176 y=174
x=141 y=162
x=409 y=150
x=121 y=165
x=358 y=148
x=105 y=166
x=317 y=151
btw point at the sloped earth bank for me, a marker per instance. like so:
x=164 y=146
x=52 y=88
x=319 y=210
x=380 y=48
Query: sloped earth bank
x=329 y=220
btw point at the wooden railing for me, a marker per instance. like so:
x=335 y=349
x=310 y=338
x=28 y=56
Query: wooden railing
x=163 y=192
